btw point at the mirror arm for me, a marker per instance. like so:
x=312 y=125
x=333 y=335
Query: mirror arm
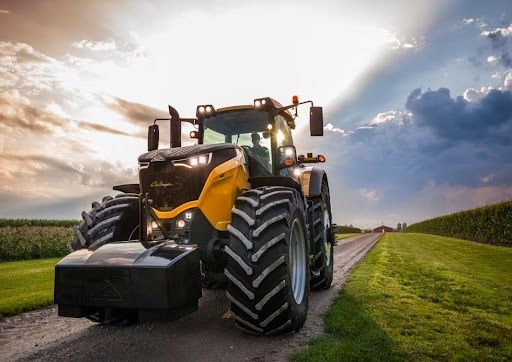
x=160 y=119
x=293 y=106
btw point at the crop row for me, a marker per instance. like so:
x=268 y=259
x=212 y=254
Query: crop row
x=489 y=224
x=36 y=222
x=31 y=242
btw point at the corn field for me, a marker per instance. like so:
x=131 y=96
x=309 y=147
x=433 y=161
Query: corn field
x=31 y=242
x=36 y=222
x=490 y=224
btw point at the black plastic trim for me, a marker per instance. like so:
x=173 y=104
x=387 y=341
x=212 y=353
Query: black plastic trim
x=127 y=188
x=315 y=182
x=275 y=181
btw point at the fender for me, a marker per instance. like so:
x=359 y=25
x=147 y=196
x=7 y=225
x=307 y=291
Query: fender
x=312 y=181
x=128 y=188
x=275 y=181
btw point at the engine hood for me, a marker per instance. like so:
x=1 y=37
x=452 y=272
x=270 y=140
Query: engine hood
x=169 y=154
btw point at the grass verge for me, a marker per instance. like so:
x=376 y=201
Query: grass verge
x=421 y=297
x=26 y=285
x=345 y=236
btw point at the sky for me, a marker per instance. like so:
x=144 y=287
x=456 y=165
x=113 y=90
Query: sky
x=416 y=95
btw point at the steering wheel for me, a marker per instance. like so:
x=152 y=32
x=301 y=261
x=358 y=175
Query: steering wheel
x=248 y=150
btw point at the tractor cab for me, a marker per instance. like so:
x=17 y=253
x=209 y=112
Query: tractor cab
x=259 y=134
x=262 y=130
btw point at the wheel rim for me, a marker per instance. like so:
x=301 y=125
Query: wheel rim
x=327 y=242
x=297 y=258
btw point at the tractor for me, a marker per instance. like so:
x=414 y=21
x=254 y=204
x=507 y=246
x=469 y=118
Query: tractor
x=238 y=209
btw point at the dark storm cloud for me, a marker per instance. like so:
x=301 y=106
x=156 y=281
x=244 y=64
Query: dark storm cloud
x=501 y=44
x=438 y=154
x=499 y=37
x=458 y=119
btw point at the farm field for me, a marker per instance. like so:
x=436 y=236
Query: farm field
x=422 y=297
x=32 y=239
x=26 y=285
x=488 y=224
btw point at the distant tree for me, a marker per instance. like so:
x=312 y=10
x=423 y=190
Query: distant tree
x=344 y=229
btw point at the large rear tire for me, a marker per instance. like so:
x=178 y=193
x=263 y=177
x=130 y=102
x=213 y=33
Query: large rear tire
x=114 y=219
x=268 y=261
x=323 y=260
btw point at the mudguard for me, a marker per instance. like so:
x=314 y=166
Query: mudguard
x=315 y=182
x=125 y=278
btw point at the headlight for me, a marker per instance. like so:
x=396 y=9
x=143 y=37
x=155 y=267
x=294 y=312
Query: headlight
x=201 y=160
x=153 y=230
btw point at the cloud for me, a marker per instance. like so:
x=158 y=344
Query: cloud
x=488 y=178
x=440 y=153
x=95 y=45
x=499 y=36
x=137 y=113
x=102 y=128
x=36 y=175
x=369 y=194
x=500 y=44
x=4 y=12
x=17 y=112
x=487 y=116
x=330 y=128
x=60 y=143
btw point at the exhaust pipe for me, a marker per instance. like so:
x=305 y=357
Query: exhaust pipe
x=175 y=127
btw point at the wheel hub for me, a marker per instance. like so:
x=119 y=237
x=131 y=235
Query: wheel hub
x=297 y=259
x=327 y=242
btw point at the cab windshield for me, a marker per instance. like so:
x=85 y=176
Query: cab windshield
x=245 y=128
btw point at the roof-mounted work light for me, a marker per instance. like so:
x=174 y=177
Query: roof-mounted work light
x=205 y=111
x=263 y=104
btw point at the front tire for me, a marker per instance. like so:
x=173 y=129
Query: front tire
x=323 y=261
x=114 y=219
x=268 y=263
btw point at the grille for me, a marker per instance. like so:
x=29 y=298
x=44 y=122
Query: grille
x=170 y=186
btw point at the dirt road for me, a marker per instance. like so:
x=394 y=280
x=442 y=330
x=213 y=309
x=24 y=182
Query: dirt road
x=209 y=335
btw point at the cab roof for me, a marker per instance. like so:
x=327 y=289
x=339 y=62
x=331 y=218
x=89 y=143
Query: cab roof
x=286 y=114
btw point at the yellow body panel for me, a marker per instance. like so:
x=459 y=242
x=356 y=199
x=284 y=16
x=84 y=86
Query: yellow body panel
x=217 y=198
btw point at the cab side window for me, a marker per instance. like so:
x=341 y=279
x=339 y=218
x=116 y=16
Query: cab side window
x=283 y=134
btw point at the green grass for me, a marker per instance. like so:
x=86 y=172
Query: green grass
x=345 y=236
x=26 y=285
x=30 y=242
x=422 y=297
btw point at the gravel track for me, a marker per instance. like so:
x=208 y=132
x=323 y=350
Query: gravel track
x=208 y=335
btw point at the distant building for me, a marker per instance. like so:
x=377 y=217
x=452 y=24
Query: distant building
x=383 y=229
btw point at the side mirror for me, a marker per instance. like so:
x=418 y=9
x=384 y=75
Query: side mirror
x=316 y=121
x=153 y=137
x=287 y=156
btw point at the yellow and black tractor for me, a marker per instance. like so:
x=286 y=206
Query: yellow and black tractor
x=238 y=209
